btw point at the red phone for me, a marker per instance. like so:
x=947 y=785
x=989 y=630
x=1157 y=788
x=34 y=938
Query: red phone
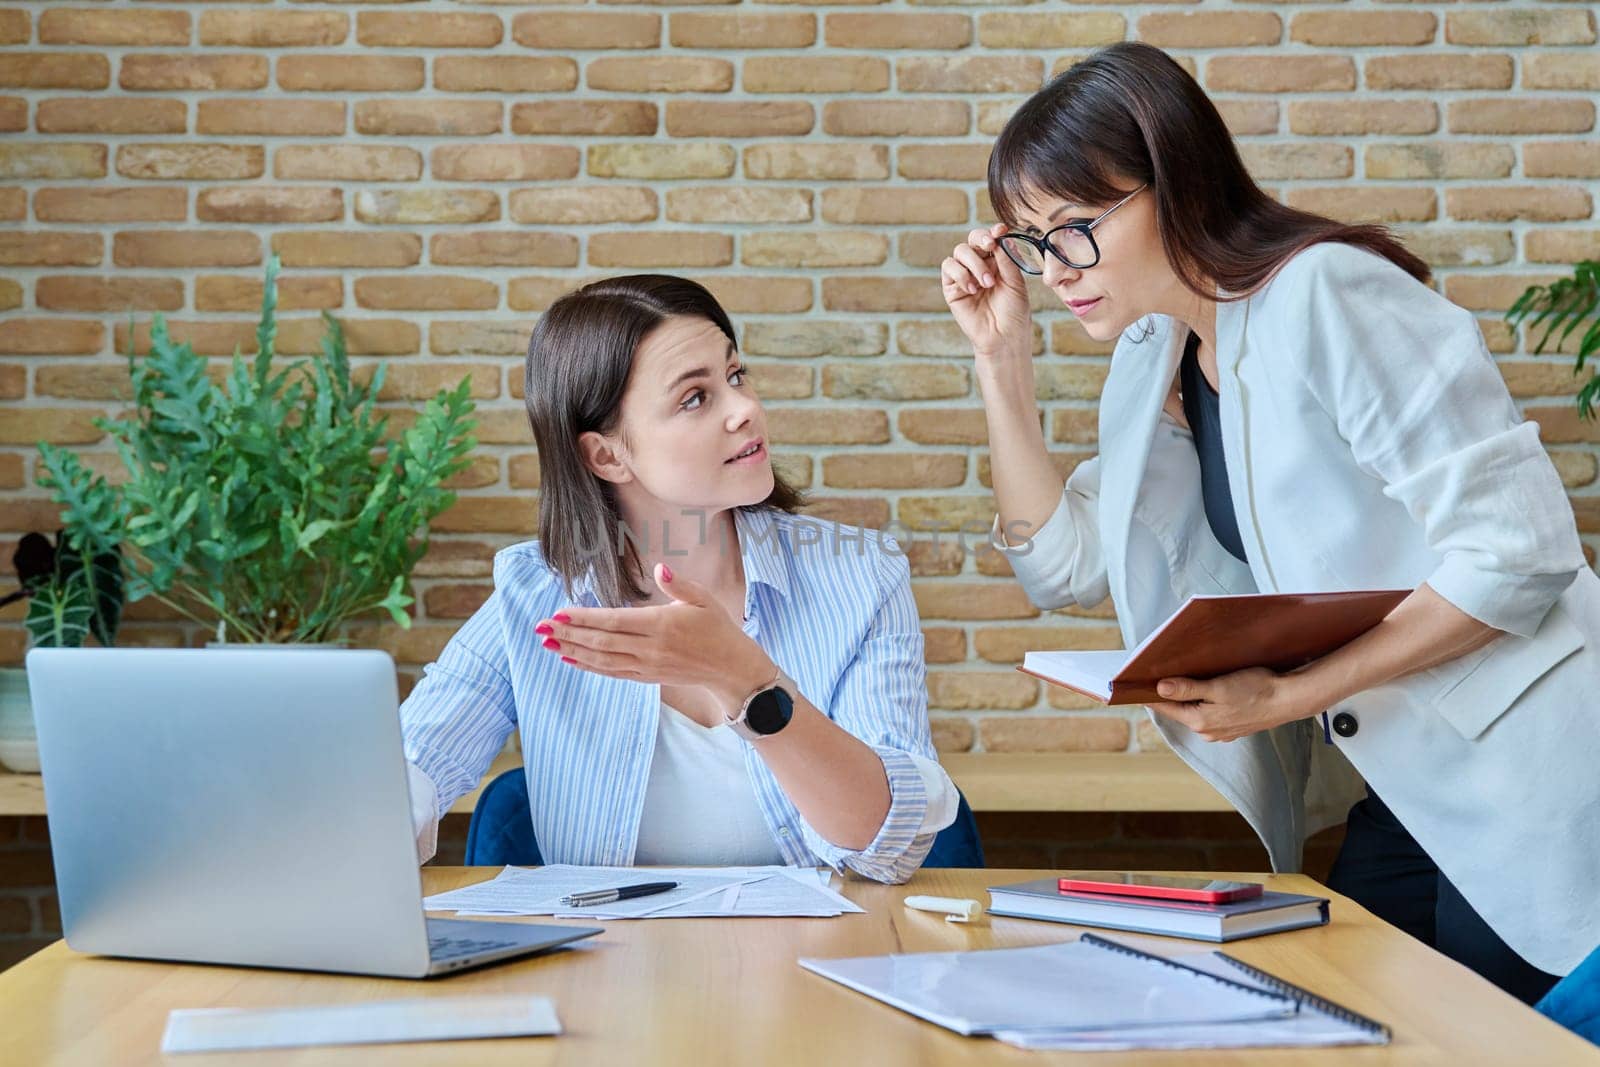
x=1123 y=884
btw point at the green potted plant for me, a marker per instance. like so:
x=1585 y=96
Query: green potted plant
x=274 y=505
x=70 y=596
x=1567 y=305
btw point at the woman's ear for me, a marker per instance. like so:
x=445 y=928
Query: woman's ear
x=603 y=457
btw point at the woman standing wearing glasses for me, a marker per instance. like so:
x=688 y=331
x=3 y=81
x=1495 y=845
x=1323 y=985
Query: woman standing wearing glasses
x=1290 y=408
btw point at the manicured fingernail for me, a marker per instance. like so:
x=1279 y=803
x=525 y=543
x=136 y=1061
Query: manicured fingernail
x=568 y=659
x=988 y=279
x=551 y=643
x=666 y=573
x=561 y=616
x=544 y=628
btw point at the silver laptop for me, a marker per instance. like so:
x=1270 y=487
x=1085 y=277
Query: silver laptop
x=245 y=807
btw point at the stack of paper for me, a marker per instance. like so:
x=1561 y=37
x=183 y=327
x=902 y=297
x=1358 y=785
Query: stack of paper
x=701 y=892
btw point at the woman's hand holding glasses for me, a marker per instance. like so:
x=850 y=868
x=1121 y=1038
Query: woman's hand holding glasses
x=988 y=296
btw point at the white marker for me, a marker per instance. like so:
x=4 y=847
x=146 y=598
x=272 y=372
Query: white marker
x=954 y=909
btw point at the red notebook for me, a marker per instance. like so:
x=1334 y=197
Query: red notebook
x=1214 y=635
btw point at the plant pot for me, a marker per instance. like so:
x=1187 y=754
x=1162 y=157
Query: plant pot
x=19 y=743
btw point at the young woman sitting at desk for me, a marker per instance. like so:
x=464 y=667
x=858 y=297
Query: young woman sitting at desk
x=696 y=674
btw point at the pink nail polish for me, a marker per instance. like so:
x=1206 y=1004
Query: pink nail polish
x=561 y=616
x=568 y=659
x=666 y=572
x=544 y=628
x=551 y=643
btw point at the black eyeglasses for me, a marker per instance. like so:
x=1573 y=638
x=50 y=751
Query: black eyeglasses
x=1072 y=243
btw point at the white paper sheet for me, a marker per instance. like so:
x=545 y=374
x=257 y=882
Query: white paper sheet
x=372 y=1022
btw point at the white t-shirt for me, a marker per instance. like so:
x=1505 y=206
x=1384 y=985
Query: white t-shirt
x=700 y=806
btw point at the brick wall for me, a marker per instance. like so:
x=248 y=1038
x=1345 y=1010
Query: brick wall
x=436 y=173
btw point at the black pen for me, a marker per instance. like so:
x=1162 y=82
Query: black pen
x=608 y=896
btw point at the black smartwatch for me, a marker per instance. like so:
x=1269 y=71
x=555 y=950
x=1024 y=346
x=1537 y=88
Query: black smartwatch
x=767 y=710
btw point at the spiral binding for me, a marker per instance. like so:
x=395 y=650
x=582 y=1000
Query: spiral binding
x=1305 y=996
x=1129 y=950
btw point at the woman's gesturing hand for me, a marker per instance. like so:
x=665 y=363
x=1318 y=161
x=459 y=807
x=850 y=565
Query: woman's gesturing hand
x=692 y=641
x=988 y=295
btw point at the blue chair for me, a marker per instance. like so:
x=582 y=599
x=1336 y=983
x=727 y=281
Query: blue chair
x=501 y=831
x=1574 y=1002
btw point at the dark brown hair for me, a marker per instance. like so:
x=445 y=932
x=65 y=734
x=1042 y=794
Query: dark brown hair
x=580 y=359
x=1129 y=113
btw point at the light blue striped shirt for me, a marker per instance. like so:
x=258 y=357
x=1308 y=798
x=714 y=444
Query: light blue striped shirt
x=831 y=604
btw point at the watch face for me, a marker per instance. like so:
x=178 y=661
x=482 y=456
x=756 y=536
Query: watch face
x=769 y=711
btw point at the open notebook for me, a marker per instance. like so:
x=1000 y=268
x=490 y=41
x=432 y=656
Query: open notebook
x=1214 y=635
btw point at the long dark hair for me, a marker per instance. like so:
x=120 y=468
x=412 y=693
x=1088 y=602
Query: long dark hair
x=579 y=361
x=1128 y=112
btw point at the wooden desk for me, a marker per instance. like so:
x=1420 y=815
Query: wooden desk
x=708 y=993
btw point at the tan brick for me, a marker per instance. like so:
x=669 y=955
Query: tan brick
x=274 y=28
x=498 y=248
x=23 y=162
x=877 y=380
x=1245 y=118
x=824 y=162
x=1067 y=338
x=421 y=381
x=1343 y=117
x=49 y=337
x=350 y=73
x=504 y=162
x=1441 y=71
x=659 y=74
x=579 y=30
x=1563 y=426
x=265 y=203
x=929 y=248
x=428 y=118
x=54 y=70
x=1577 y=469
x=111 y=116
x=762 y=295
x=832 y=248
x=942 y=337
x=805 y=338
x=1459 y=247
x=933 y=555
x=780 y=381
x=1530 y=378
x=438 y=292
x=296 y=292
x=1064 y=462
x=50 y=248
x=1210 y=29
x=715 y=203
x=489 y=514
x=874 y=30
x=1526 y=27
x=715 y=30
x=948 y=162
x=426 y=206
x=1288 y=160
x=582 y=205
x=944 y=426
x=195 y=72
x=610 y=118
x=661 y=161
x=1561 y=246
x=950 y=734
x=16 y=26
x=1069 y=381
x=1363 y=28
x=140 y=203
x=480 y=472
x=1491 y=292
x=1561 y=159
x=13 y=114
x=832 y=425
x=538 y=292
x=1561 y=70
x=454 y=601
x=199 y=248
x=1280 y=74
x=677 y=248
x=1503 y=203
x=1085 y=733
x=896 y=118
x=1457 y=159
x=815 y=74
x=64 y=26
x=112 y=292
x=880 y=470
x=972 y=600
x=981 y=690
x=866 y=512
x=1367 y=203
x=1008 y=644
x=739 y=118
x=60 y=426
x=1030 y=30
x=522 y=471
x=1521 y=116
x=878 y=293
x=338 y=248
x=1498 y=337
x=481 y=337
x=968 y=74
x=894 y=205
x=339 y=162
x=407 y=29
x=504 y=74
x=270 y=117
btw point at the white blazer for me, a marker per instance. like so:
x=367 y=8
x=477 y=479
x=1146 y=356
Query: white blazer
x=1371 y=443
